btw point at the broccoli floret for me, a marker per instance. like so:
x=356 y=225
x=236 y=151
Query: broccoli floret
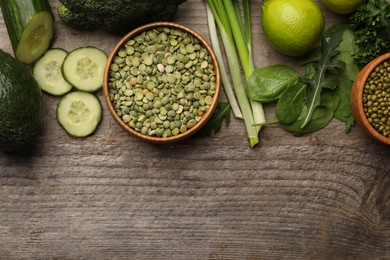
x=77 y=20
x=115 y=16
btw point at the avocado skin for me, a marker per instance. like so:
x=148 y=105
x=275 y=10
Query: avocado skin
x=21 y=105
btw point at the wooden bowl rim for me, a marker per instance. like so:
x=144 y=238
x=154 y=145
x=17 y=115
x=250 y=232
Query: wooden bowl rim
x=359 y=84
x=205 y=117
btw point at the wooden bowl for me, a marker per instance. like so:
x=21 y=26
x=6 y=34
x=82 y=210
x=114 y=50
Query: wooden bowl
x=357 y=99
x=204 y=118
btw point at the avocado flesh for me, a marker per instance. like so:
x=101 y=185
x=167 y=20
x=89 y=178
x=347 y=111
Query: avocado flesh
x=21 y=105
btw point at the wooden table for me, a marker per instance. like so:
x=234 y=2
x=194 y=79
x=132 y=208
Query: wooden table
x=111 y=196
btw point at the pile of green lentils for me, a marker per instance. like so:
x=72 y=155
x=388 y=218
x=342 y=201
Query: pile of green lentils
x=162 y=81
x=376 y=98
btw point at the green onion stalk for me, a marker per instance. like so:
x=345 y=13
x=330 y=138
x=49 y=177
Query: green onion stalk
x=237 y=40
x=224 y=76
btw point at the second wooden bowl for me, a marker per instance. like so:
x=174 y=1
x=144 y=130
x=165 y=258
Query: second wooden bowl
x=357 y=99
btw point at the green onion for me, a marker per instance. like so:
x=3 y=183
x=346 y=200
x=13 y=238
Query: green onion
x=224 y=75
x=237 y=40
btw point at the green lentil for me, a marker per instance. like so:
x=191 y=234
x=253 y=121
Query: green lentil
x=376 y=98
x=162 y=82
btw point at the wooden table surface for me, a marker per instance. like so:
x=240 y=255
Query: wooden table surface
x=111 y=196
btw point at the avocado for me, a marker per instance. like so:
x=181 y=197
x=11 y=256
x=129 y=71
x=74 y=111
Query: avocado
x=21 y=105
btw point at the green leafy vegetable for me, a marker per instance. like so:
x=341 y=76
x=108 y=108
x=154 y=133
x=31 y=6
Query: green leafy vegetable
x=221 y=113
x=267 y=84
x=343 y=111
x=321 y=80
x=321 y=116
x=371 y=23
x=291 y=103
x=308 y=103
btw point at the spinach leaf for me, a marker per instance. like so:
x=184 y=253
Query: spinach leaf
x=267 y=84
x=321 y=116
x=221 y=113
x=291 y=103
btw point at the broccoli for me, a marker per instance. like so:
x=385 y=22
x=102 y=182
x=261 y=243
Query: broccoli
x=115 y=16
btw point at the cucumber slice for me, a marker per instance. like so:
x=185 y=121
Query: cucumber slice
x=84 y=68
x=47 y=72
x=79 y=113
x=30 y=26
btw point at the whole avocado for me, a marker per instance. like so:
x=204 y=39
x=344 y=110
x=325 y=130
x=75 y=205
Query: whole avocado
x=113 y=16
x=21 y=105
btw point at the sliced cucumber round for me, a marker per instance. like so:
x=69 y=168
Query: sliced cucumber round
x=84 y=68
x=79 y=113
x=47 y=72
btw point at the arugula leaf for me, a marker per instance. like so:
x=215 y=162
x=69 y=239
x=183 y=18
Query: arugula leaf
x=328 y=50
x=221 y=113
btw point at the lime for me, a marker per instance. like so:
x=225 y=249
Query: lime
x=342 y=6
x=292 y=27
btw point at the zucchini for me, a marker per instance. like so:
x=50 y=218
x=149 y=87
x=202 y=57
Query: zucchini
x=84 y=68
x=30 y=26
x=79 y=113
x=47 y=72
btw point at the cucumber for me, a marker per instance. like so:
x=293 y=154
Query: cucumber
x=79 y=113
x=30 y=26
x=84 y=68
x=47 y=72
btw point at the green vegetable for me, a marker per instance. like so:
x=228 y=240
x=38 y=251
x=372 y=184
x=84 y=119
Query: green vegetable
x=291 y=103
x=267 y=84
x=221 y=113
x=307 y=103
x=345 y=75
x=79 y=113
x=84 y=67
x=229 y=91
x=322 y=79
x=321 y=116
x=21 y=105
x=371 y=24
x=236 y=37
x=30 y=26
x=343 y=111
x=117 y=17
x=47 y=72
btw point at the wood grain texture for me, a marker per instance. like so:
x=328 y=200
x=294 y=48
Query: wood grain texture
x=111 y=196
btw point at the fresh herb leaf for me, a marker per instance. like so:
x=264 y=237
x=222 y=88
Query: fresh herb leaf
x=267 y=84
x=214 y=125
x=328 y=50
